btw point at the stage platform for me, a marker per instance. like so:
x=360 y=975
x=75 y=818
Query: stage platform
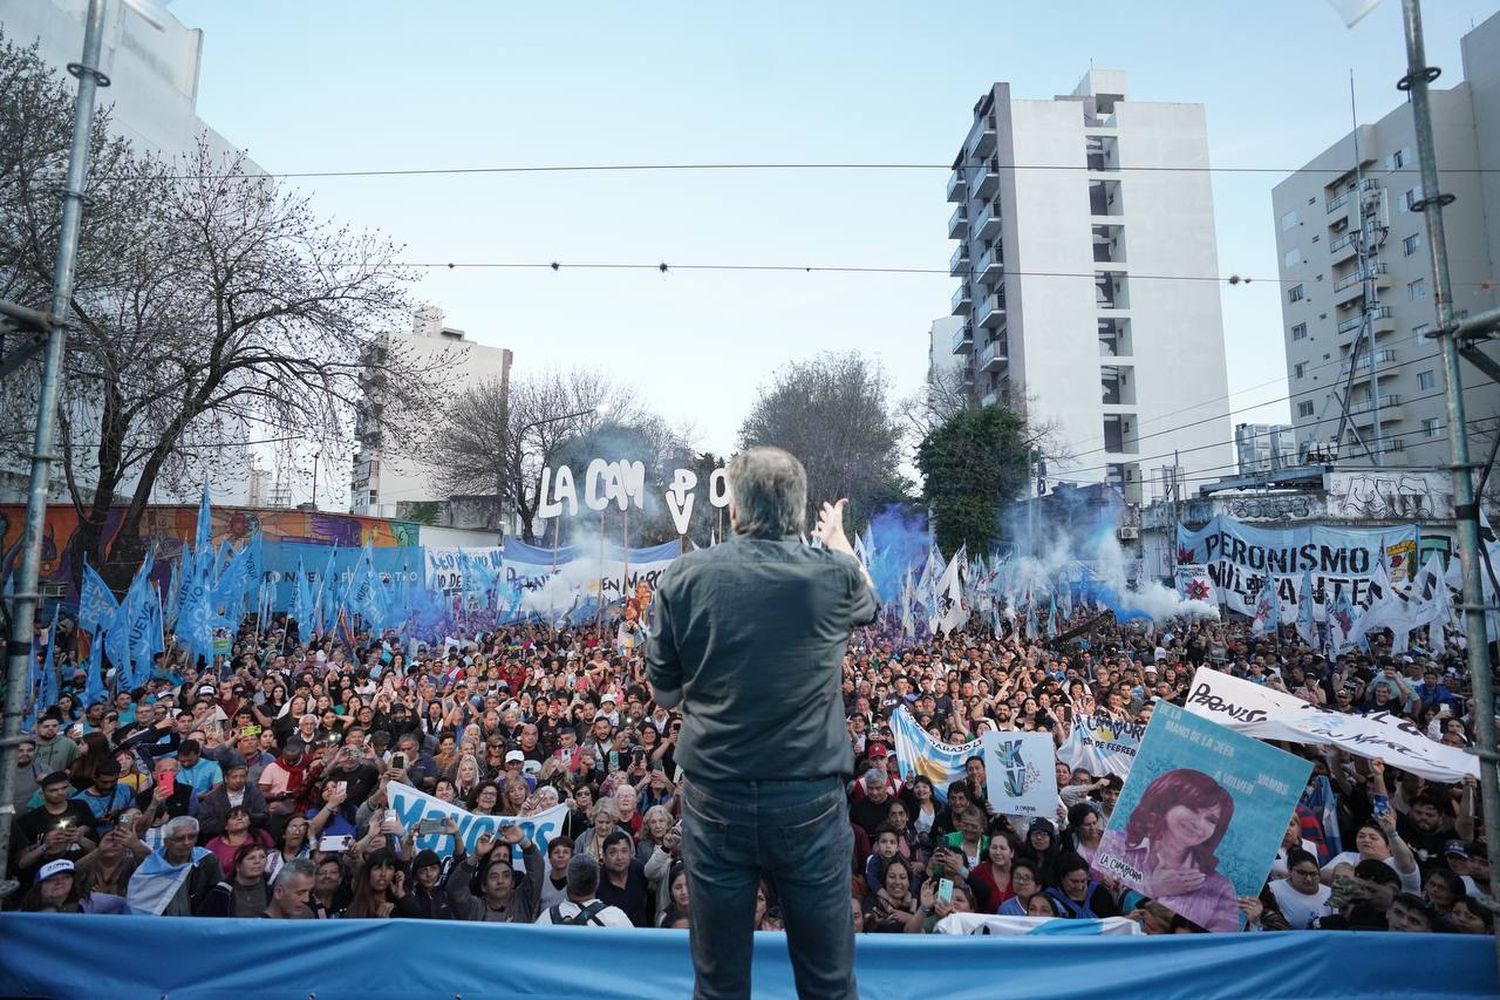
x=164 y=958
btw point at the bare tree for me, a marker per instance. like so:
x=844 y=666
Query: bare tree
x=210 y=303
x=834 y=414
x=489 y=444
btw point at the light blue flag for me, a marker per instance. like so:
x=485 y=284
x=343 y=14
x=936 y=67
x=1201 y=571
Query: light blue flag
x=203 y=537
x=918 y=753
x=96 y=604
x=93 y=684
x=48 y=689
x=327 y=598
x=1305 y=626
x=229 y=589
x=255 y=566
x=300 y=596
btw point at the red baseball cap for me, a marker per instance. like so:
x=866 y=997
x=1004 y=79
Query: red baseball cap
x=877 y=750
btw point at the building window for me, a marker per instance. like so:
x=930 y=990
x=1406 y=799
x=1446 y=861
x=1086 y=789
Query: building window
x=1420 y=330
x=1432 y=427
x=1299 y=369
x=1398 y=159
x=1426 y=380
x=1296 y=294
x=1416 y=291
x=1411 y=244
x=1299 y=332
x=1305 y=408
x=1293 y=257
x=1411 y=197
x=1290 y=220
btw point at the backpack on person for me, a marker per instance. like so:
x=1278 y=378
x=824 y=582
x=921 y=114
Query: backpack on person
x=586 y=915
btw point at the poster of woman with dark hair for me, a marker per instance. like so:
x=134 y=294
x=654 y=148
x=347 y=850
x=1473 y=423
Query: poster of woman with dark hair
x=1200 y=818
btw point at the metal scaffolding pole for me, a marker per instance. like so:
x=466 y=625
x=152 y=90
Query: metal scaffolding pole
x=24 y=604
x=1466 y=511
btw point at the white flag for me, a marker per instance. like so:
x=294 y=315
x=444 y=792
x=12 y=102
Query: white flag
x=1353 y=10
x=952 y=612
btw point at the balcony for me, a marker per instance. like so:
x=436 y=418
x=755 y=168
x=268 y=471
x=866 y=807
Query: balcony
x=1345 y=247
x=1379 y=358
x=990 y=312
x=958 y=264
x=962 y=305
x=958 y=223
x=1389 y=407
x=991 y=266
x=988 y=180
x=981 y=138
x=957 y=186
x=1379 y=318
x=987 y=221
x=992 y=356
x=1342 y=201
x=963 y=340
x=1353 y=286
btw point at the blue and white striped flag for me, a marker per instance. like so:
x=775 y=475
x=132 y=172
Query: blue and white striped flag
x=918 y=753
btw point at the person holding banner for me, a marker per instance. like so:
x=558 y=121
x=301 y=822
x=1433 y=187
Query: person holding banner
x=750 y=639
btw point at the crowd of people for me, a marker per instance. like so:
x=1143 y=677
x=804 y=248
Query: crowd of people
x=257 y=785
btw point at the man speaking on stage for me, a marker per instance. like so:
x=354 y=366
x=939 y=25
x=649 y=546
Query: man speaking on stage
x=749 y=639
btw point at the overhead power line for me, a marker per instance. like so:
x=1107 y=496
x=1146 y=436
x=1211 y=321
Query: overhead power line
x=582 y=168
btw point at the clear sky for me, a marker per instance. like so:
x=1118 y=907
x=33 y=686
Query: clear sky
x=341 y=85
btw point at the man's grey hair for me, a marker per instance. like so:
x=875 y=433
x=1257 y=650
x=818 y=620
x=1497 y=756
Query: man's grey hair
x=768 y=487
x=293 y=869
x=180 y=824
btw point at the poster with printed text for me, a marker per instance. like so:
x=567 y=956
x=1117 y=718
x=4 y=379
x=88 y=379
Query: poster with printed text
x=1020 y=773
x=1200 y=818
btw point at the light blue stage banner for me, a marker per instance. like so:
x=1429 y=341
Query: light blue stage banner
x=183 y=958
x=1201 y=816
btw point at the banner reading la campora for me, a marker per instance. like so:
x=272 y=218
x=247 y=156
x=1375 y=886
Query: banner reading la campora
x=1101 y=745
x=413 y=806
x=1268 y=714
x=1200 y=818
x=1020 y=773
x=1240 y=558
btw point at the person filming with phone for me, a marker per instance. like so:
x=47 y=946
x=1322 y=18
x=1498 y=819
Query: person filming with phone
x=749 y=640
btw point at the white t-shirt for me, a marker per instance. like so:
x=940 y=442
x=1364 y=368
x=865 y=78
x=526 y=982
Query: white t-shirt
x=1409 y=882
x=1279 y=868
x=1301 y=910
x=610 y=916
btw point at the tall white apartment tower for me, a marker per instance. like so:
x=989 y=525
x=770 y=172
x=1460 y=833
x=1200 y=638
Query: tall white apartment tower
x=1088 y=279
x=1365 y=376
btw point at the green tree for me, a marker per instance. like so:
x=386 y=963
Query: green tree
x=972 y=466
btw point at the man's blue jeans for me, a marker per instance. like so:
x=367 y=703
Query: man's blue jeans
x=796 y=834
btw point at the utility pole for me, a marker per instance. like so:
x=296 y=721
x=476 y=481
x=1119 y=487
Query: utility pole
x=24 y=604
x=1466 y=510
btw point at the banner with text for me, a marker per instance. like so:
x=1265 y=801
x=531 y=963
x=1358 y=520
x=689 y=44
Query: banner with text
x=1241 y=557
x=551 y=580
x=1020 y=771
x=918 y=753
x=1101 y=745
x=1200 y=818
x=1269 y=714
x=413 y=806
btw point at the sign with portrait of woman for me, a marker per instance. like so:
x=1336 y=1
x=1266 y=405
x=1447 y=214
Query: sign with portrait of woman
x=1200 y=818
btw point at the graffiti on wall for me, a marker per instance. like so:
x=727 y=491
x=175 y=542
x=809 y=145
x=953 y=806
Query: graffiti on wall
x=1273 y=507
x=165 y=529
x=1378 y=495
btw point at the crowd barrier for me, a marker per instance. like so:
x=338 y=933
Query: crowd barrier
x=165 y=958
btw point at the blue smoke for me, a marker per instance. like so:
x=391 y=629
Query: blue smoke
x=899 y=533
